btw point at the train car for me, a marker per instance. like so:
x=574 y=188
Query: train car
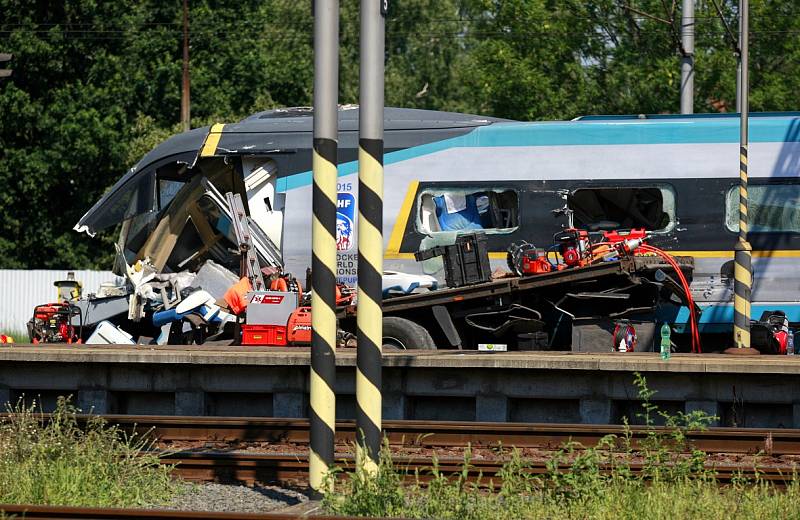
x=446 y=173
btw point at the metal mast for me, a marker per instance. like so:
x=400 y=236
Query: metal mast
x=370 y=233
x=687 y=58
x=323 y=236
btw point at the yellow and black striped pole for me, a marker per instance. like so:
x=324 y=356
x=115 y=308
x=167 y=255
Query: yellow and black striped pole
x=742 y=271
x=370 y=235
x=322 y=413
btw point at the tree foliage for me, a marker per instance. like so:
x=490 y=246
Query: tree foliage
x=97 y=84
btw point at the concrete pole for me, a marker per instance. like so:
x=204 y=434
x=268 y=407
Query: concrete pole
x=687 y=60
x=323 y=236
x=370 y=234
x=742 y=272
x=185 y=104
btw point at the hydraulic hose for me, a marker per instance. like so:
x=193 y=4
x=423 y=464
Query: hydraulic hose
x=696 y=346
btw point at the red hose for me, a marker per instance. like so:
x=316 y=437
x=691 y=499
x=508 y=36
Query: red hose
x=696 y=347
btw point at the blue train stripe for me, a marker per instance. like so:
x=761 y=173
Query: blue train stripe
x=577 y=133
x=718 y=317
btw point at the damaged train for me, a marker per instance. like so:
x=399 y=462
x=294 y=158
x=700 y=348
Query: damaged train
x=446 y=174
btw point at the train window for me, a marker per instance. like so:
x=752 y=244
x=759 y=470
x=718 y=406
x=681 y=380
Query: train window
x=771 y=208
x=467 y=209
x=167 y=189
x=600 y=209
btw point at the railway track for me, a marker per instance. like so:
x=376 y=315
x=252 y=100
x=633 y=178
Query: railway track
x=243 y=465
x=293 y=468
x=445 y=434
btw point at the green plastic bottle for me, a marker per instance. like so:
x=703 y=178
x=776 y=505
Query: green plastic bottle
x=665 y=343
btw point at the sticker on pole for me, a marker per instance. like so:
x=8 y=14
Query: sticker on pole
x=345 y=216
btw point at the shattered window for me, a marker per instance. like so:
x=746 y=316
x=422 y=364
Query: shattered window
x=648 y=207
x=134 y=198
x=467 y=209
x=167 y=189
x=771 y=208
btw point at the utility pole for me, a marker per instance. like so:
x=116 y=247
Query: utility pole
x=185 y=106
x=322 y=413
x=5 y=73
x=687 y=57
x=370 y=234
x=742 y=270
x=739 y=63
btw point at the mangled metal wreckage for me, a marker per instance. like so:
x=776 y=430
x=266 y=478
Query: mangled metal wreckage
x=447 y=175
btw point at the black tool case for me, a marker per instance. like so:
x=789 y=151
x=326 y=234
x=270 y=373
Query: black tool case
x=465 y=263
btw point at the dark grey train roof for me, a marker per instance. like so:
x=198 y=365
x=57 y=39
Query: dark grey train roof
x=271 y=131
x=300 y=120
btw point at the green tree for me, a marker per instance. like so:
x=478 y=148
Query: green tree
x=97 y=84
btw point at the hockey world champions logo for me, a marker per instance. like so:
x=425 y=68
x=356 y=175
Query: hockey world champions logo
x=346 y=249
x=345 y=212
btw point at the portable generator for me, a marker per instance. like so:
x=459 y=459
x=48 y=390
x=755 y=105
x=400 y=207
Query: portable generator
x=53 y=323
x=573 y=246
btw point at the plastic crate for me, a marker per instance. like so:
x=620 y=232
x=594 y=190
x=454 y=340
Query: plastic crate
x=269 y=335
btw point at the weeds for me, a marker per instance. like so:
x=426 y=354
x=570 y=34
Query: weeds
x=60 y=462
x=658 y=477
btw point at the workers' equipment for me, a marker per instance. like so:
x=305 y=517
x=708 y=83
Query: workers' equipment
x=524 y=258
x=465 y=263
x=69 y=289
x=693 y=309
x=236 y=295
x=53 y=323
x=270 y=307
x=573 y=246
x=299 y=326
x=534 y=261
x=770 y=334
x=614 y=237
x=287 y=283
x=619 y=244
x=624 y=337
x=242 y=226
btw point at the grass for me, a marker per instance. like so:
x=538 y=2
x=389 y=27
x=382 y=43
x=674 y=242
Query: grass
x=59 y=462
x=597 y=484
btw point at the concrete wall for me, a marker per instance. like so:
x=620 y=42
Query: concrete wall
x=432 y=393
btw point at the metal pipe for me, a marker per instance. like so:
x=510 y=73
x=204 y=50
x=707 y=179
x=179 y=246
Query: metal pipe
x=743 y=276
x=185 y=103
x=739 y=64
x=370 y=234
x=687 y=58
x=322 y=413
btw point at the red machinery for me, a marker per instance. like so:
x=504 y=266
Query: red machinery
x=276 y=318
x=574 y=247
x=52 y=323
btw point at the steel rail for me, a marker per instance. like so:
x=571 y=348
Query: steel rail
x=293 y=468
x=34 y=512
x=443 y=434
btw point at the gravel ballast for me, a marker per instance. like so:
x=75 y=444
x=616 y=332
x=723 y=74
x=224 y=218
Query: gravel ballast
x=233 y=498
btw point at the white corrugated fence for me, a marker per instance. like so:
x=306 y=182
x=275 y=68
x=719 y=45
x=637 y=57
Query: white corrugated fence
x=21 y=290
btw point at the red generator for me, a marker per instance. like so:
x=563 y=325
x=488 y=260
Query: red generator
x=53 y=323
